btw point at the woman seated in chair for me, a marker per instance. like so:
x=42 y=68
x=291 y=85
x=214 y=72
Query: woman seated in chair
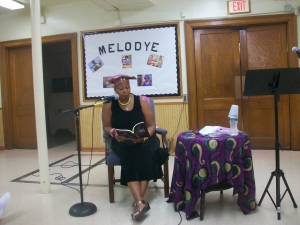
x=140 y=157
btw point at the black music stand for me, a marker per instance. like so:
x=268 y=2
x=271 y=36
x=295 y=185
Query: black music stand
x=275 y=82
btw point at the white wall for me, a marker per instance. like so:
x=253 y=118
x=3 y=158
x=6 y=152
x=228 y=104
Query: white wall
x=87 y=15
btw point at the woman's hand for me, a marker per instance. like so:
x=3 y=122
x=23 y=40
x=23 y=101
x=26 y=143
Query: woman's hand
x=136 y=140
x=120 y=138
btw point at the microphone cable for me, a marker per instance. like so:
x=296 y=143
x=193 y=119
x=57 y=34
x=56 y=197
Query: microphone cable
x=180 y=216
x=182 y=109
x=60 y=177
x=91 y=152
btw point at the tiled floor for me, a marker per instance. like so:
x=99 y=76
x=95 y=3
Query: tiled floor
x=28 y=206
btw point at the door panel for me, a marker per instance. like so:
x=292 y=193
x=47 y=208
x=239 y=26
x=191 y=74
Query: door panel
x=222 y=57
x=264 y=47
x=216 y=70
x=22 y=98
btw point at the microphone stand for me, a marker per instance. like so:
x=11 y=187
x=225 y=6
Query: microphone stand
x=83 y=208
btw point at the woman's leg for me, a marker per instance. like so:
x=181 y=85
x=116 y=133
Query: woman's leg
x=135 y=190
x=138 y=190
x=143 y=187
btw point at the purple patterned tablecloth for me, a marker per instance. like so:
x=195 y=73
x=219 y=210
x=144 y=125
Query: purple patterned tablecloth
x=201 y=161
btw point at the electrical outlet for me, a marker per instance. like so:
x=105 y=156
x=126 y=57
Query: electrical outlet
x=185 y=97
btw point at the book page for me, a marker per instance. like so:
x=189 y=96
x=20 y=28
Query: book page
x=139 y=129
x=125 y=133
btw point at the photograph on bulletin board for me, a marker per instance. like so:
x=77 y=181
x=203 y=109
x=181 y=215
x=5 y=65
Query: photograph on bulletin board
x=150 y=53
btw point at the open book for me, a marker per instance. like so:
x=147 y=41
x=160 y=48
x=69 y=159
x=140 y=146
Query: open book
x=139 y=129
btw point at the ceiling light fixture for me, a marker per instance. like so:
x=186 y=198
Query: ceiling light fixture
x=9 y=4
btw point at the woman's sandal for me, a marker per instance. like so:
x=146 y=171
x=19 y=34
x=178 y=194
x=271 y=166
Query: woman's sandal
x=137 y=212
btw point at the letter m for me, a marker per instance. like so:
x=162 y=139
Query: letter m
x=102 y=50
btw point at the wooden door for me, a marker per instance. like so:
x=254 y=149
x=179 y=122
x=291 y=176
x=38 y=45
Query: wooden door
x=217 y=75
x=16 y=70
x=222 y=58
x=22 y=98
x=265 y=47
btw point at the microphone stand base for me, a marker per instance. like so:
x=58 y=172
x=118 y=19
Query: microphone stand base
x=82 y=209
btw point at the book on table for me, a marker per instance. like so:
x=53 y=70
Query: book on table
x=138 y=129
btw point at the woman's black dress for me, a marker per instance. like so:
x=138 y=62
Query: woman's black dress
x=139 y=162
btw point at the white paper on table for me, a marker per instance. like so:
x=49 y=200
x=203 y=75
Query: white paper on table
x=209 y=130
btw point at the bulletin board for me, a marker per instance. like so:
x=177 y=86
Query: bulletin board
x=150 y=53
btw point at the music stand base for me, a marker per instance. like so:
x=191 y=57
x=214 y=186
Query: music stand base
x=82 y=209
x=280 y=174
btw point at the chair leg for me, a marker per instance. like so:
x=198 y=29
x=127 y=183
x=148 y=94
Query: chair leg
x=202 y=203
x=111 y=175
x=166 y=179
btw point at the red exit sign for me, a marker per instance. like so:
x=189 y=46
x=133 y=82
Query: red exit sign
x=235 y=7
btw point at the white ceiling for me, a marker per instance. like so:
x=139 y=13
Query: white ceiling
x=108 y=5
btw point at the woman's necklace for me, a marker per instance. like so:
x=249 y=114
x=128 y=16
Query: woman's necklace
x=125 y=104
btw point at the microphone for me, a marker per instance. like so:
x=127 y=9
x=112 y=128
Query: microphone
x=297 y=50
x=109 y=98
x=98 y=103
x=106 y=99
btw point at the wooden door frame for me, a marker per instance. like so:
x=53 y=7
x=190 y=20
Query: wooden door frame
x=289 y=19
x=5 y=47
